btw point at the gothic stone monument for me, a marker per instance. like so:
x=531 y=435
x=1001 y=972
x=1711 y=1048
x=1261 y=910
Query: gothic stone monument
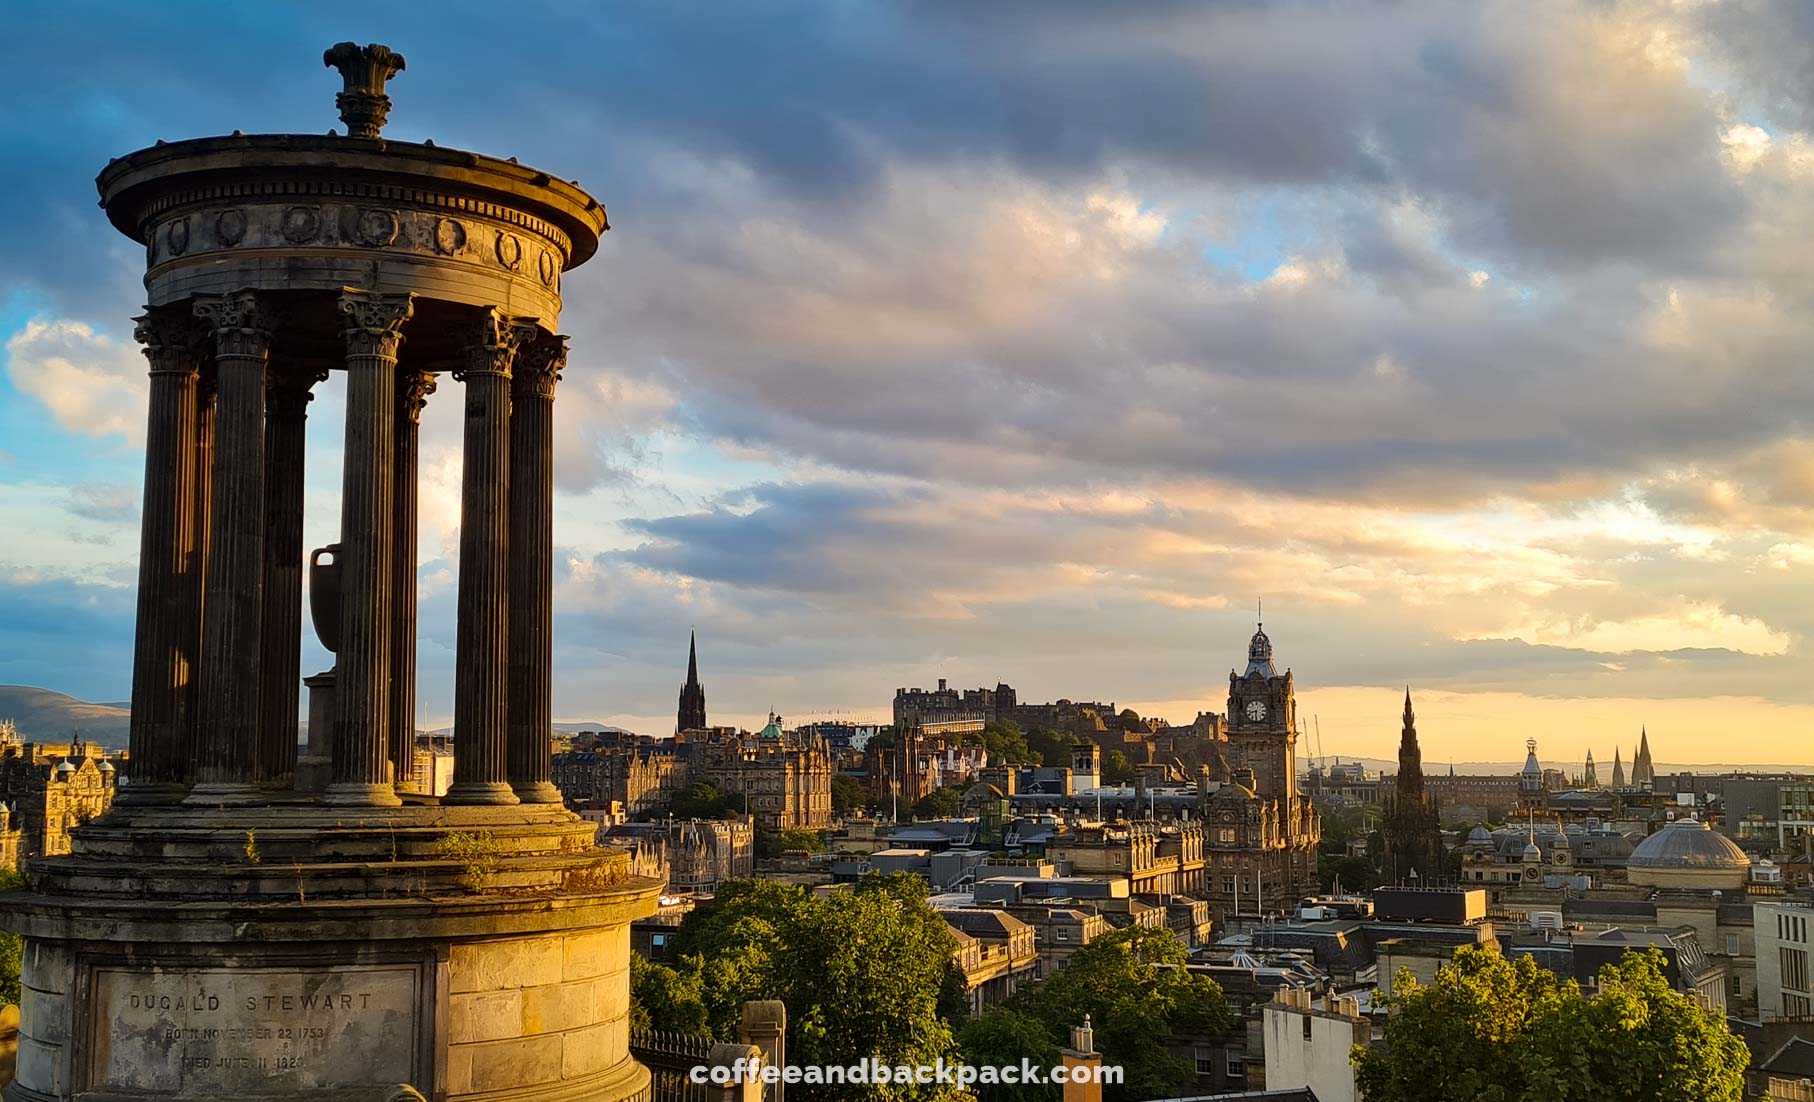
x=223 y=933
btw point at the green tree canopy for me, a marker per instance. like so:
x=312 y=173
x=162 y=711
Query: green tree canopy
x=1003 y=1037
x=940 y=803
x=847 y=794
x=1051 y=747
x=860 y=972
x=1116 y=769
x=1005 y=743
x=1502 y=1030
x=12 y=947
x=704 y=800
x=1133 y=985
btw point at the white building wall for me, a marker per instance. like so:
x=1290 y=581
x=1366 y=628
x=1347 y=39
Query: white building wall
x=1782 y=930
x=1318 y=1061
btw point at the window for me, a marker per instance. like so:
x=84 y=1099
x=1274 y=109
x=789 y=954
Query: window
x=1732 y=945
x=1206 y=1060
x=1236 y=1068
x=1795 y=1006
x=1062 y=935
x=1738 y=989
x=1794 y=968
x=1306 y=1027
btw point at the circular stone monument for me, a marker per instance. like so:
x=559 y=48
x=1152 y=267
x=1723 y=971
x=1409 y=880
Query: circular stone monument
x=237 y=926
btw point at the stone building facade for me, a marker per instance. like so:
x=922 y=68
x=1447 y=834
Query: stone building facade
x=1260 y=833
x=51 y=790
x=784 y=776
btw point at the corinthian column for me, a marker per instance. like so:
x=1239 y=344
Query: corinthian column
x=280 y=668
x=164 y=654
x=413 y=388
x=532 y=567
x=233 y=604
x=481 y=698
x=372 y=324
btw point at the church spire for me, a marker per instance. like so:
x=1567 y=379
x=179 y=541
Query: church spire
x=1643 y=773
x=692 y=695
x=1618 y=769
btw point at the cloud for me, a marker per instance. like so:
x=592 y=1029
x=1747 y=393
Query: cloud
x=91 y=384
x=110 y=504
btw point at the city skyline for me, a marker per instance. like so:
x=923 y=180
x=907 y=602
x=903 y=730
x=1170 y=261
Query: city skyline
x=1471 y=345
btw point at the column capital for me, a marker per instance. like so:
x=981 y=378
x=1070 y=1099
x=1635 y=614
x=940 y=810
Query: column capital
x=414 y=385
x=169 y=341
x=372 y=322
x=241 y=323
x=493 y=341
x=539 y=367
x=289 y=390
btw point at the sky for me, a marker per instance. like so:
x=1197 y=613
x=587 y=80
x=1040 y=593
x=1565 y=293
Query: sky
x=1038 y=342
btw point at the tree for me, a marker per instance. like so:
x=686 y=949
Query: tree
x=704 y=800
x=1005 y=743
x=1003 y=1037
x=1133 y=985
x=940 y=803
x=1051 y=747
x=1131 y=721
x=773 y=843
x=1116 y=769
x=1502 y=1030
x=12 y=947
x=847 y=795
x=860 y=972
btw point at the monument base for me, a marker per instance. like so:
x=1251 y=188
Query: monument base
x=413 y=952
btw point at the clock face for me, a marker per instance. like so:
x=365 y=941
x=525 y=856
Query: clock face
x=1256 y=710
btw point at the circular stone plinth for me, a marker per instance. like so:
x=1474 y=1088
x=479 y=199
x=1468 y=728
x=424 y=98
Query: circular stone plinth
x=301 y=952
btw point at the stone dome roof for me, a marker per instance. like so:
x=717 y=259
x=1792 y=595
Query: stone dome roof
x=1688 y=843
x=1688 y=854
x=1479 y=836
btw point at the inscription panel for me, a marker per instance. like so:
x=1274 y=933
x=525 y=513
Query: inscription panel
x=205 y=1030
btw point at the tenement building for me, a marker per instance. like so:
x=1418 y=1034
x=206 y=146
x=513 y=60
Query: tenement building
x=471 y=946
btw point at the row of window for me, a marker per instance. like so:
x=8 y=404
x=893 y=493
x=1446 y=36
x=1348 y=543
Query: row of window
x=1791 y=928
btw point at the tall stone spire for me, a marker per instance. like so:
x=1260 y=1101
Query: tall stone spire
x=1643 y=773
x=692 y=694
x=1588 y=778
x=1412 y=829
x=1410 y=756
x=1618 y=769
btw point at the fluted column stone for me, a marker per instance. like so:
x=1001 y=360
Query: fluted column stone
x=287 y=396
x=372 y=324
x=532 y=568
x=413 y=388
x=164 y=655
x=232 y=613
x=481 y=692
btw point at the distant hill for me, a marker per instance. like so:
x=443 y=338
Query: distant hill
x=45 y=716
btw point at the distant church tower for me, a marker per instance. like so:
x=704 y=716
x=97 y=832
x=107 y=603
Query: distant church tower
x=1413 y=832
x=692 y=694
x=1618 y=769
x=1643 y=774
x=1589 y=779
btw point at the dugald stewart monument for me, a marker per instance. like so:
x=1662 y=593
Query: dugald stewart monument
x=246 y=923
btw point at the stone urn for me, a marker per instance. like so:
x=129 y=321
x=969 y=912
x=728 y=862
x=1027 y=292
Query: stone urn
x=324 y=595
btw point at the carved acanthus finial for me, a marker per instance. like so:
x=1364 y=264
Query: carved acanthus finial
x=363 y=105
